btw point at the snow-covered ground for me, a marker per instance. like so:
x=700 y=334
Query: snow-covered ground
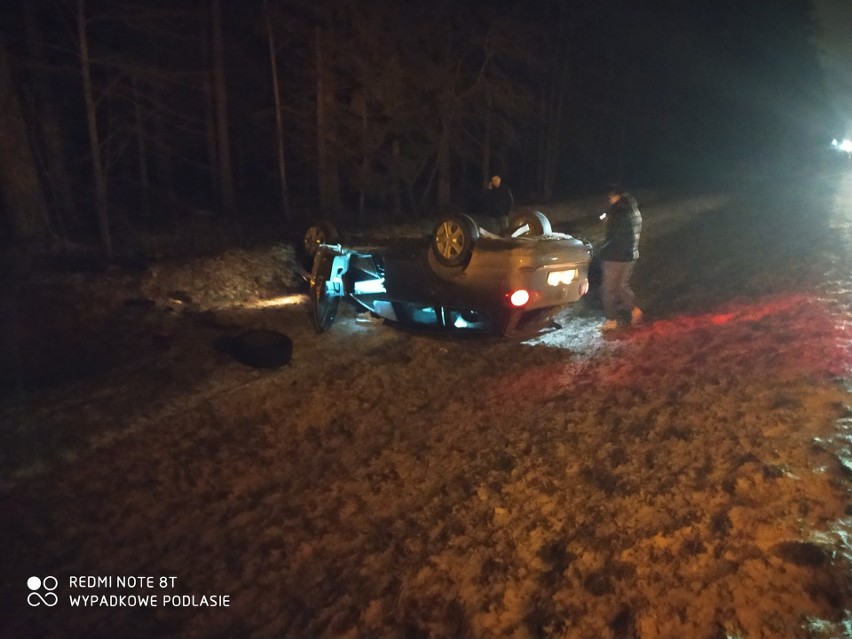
x=686 y=478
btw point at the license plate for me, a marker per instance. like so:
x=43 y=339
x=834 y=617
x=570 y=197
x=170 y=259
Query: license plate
x=555 y=278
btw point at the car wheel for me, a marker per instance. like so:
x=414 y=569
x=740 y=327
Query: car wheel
x=453 y=238
x=319 y=233
x=528 y=224
x=324 y=306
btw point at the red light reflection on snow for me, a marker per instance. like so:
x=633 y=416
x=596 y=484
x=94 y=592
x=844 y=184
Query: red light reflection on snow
x=722 y=318
x=775 y=337
x=791 y=307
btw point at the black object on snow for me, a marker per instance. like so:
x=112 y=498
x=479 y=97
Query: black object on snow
x=259 y=348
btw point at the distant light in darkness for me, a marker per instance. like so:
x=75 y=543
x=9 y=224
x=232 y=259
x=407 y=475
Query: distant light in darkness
x=845 y=145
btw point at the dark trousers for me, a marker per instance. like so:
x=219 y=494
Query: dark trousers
x=498 y=224
x=616 y=295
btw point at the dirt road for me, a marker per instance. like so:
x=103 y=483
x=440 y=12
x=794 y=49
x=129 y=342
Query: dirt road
x=687 y=478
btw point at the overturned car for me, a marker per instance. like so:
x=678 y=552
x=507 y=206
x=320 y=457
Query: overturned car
x=460 y=279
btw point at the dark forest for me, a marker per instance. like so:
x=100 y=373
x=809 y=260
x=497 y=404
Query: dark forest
x=119 y=116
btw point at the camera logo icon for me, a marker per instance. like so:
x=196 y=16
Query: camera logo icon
x=36 y=598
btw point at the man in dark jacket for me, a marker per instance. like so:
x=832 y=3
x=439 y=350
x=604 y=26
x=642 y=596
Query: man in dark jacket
x=498 y=203
x=618 y=255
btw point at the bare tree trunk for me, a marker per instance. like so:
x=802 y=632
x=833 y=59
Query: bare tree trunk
x=279 y=124
x=20 y=188
x=396 y=189
x=212 y=153
x=142 y=153
x=209 y=109
x=365 y=157
x=226 y=180
x=165 y=172
x=444 y=168
x=552 y=102
x=549 y=142
x=486 y=141
x=329 y=186
x=603 y=124
x=427 y=191
x=94 y=142
x=51 y=131
x=554 y=126
x=543 y=142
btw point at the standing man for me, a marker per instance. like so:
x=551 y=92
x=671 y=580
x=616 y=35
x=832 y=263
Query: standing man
x=618 y=254
x=498 y=203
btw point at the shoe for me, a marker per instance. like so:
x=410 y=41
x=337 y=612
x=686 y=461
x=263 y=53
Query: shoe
x=636 y=316
x=609 y=326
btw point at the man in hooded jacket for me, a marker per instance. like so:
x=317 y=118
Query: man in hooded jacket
x=618 y=255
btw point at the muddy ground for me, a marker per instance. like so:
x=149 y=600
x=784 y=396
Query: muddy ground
x=686 y=478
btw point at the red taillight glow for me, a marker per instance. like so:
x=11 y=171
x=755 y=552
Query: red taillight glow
x=519 y=297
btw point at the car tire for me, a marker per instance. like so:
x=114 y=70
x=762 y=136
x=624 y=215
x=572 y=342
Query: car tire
x=453 y=238
x=536 y=222
x=261 y=348
x=318 y=233
x=323 y=306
